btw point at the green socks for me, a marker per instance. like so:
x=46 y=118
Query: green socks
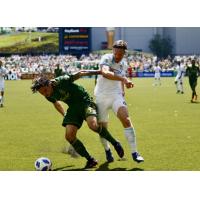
x=80 y=149
x=104 y=133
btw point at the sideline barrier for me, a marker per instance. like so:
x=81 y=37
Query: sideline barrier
x=135 y=74
x=151 y=74
x=34 y=75
x=12 y=76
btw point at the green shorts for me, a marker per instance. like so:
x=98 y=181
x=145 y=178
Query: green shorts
x=76 y=114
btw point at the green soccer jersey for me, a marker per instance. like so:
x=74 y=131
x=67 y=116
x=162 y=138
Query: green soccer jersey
x=192 y=72
x=58 y=72
x=67 y=91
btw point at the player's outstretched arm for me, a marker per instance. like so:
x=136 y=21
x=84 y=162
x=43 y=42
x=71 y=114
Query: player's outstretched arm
x=108 y=73
x=81 y=73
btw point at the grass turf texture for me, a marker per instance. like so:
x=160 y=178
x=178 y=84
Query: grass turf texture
x=167 y=127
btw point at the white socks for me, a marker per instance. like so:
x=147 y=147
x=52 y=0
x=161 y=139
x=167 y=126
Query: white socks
x=131 y=137
x=1 y=99
x=181 y=86
x=177 y=88
x=105 y=143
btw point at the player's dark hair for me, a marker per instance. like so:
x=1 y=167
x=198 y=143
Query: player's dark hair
x=39 y=82
x=193 y=62
x=120 y=44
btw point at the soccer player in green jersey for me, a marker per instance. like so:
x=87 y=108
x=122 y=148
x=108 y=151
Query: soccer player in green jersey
x=58 y=71
x=80 y=107
x=193 y=73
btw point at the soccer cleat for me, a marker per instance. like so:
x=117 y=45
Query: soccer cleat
x=178 y=91
x=119 y=149
x=182 y=92
x=137 y=157
x=91 y=163
x=194 y=99
x=109 y=155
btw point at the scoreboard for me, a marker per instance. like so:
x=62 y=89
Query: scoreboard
x=75 y=40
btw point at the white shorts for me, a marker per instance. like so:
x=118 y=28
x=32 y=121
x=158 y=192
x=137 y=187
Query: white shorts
x=157 y=75
x=104 y=103
x=2 y=86
x=178 y=79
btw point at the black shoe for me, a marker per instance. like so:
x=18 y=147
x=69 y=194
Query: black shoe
x=91 y=163
x=109 y=156
x=182 y=92
x=119 y=149
x=178 y=91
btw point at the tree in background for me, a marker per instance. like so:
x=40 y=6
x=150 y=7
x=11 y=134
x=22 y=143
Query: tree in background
x=162 y=47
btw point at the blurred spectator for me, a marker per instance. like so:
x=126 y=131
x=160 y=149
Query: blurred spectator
x=48 y=63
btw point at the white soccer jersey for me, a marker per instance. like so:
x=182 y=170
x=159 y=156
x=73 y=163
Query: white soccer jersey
x=180 y=71
x=157 y=69
x=105 y=86
x=2 y=73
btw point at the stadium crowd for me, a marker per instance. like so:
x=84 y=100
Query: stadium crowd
x=17 y=65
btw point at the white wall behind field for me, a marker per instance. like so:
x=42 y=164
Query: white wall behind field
x=186 y=40
x=137 y=37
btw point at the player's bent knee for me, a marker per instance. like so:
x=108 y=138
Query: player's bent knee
x=70 y=137
x=92 y=123
x=93 y=126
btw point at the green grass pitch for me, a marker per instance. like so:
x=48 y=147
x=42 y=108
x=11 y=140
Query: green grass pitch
x=167 y=127
x=24 y=42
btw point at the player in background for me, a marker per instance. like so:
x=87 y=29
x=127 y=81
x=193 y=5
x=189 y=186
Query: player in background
x=3 y=72
x=130 y=72
x=80 y=107
x=58 y=71
x=193 y=73
x=157 y=69
x=180 y=68
x=109 y=92
x=95 y=67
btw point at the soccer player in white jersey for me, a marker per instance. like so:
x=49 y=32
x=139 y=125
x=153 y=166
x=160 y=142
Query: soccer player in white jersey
x=2 y=75
x=179 y=77
x=157 y=70
x=109 y=92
